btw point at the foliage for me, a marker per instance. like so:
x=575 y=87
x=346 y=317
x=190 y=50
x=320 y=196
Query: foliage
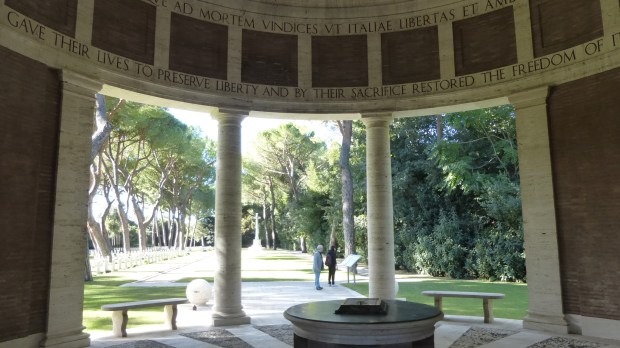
x=456 y=195
x=281 y=176
x=444 y=251
x=455 y=179
x=158 y=172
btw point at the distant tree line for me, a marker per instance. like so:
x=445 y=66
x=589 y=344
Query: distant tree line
x=150 y=176
x=457 y=207
x=457 y=204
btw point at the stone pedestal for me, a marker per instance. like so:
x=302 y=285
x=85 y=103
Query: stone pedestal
x=256 y=245
x=406 y=324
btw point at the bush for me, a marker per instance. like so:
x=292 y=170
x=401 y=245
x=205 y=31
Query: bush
x=500 y=255
x=444 y=252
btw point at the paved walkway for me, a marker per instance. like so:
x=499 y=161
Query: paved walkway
x=265 y=301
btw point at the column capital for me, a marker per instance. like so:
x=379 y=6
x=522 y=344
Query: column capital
x=533 y=97
x=231 y=115
x=79 y=84
x=380 y=119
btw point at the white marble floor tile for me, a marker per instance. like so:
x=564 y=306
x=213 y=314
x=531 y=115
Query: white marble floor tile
x=518 y=340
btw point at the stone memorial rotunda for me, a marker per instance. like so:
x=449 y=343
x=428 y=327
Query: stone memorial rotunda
x=556 y=61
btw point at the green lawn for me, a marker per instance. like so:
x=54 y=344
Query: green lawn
x=279 y=267
x=105 y=290
x=513 y=306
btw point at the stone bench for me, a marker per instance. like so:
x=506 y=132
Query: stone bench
x=120 y=318
x=487 y=300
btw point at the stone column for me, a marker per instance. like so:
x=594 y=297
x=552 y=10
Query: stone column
x=227 y=309
x=66 y=297
x=381 y=272
x=545 y=311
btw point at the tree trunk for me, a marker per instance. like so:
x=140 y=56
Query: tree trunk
x=104 y=128
x=170 y=234
x=333 y=240
x=273 y=214
x=266 y=224
x=122 y=215
x=95 y=228
x=97 y=236
x=162 y=231
x=141 y=223
x=348 y=226
x=88 y=273
x=439 y=127
x=182 y=228
x=99 y=139
x=154 y=236
x=144 y=223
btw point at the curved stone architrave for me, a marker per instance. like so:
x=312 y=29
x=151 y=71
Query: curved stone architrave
x=80 y=55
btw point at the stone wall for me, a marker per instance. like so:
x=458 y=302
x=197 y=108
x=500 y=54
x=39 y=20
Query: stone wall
x=30 y=124
x=584 y=128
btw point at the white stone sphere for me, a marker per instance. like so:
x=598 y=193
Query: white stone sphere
x=198 y=292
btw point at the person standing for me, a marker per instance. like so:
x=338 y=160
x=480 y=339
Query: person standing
x=317 y=266
x=330 y=262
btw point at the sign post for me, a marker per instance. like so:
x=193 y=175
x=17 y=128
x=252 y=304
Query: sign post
x=349 y=262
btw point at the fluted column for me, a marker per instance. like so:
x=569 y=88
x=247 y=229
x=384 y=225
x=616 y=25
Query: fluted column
x=545 y=310
x=66 y=296
x=227 y=309
x=381 y=274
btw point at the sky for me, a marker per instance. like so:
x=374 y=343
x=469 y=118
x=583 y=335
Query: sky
x=252 y=126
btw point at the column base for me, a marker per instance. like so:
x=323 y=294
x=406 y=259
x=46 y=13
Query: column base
x=232 y=321
x=548 y=323
x=29 y=341
x=594 y=327
x=78 y=340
